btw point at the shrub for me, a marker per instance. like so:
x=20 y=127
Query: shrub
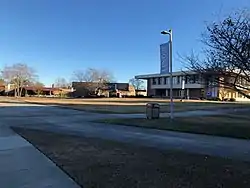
x=93 y=96
x=232 y=100
x=194 y=98
x=136 y=96
x=140 y=96
x=214 y=99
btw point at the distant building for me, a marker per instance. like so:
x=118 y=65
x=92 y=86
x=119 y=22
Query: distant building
x=189 y=85
x=84 y=89
x=2 y=89
x=141 y=92
x=32 y=91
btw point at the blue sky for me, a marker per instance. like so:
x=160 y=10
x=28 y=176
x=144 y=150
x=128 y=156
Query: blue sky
x=57 y=37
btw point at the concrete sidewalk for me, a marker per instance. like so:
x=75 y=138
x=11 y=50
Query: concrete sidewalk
x=236 y=149
x=23 y=166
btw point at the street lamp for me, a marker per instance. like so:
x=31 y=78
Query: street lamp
x=169 y=32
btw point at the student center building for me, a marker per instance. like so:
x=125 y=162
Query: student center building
x=188 y=85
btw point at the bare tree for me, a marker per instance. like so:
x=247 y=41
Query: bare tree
x=38 y=87
x=2 y=81
x=20 y=75
x=227 y=53
x=2 y=86
x=61 y=83
x=94 y=79
x=137 y=84
x=79 y=76
x=92 y=75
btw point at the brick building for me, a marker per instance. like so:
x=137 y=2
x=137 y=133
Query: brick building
x=84 y=89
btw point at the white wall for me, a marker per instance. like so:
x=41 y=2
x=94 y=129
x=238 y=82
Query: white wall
x=242 y=99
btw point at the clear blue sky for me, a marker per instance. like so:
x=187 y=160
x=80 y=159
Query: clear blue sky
x=57 y=37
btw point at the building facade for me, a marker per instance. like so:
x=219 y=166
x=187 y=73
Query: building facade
x=9 y=90
x=84 y=89
x=187 y=85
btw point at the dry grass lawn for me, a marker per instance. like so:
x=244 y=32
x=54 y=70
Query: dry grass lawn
x=95 y=163
x=231 y=125
x=127 y=105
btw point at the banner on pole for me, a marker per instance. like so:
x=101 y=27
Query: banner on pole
x=164 y=57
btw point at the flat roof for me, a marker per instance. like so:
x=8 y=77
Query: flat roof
x=177 y=73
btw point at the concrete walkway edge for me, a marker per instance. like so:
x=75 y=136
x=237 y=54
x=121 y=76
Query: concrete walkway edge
x=22 y=165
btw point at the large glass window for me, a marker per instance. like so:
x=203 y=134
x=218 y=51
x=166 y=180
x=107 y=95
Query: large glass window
x=174 y=79
x=186 y=79
x=178 y=79
x=240 y=95
x=154 y=81
x=159 y=81
x=193 y=79
x=196 y=78
x=165 y=80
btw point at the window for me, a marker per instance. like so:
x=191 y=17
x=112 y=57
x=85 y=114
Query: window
x=178 y=79
x=198 y=79
x=231 y=95
x=165 y=81
x=154 y=81
x=159 y=81
x=174 y=79
x=180 y=93
x=186 y=79
x=194 y=79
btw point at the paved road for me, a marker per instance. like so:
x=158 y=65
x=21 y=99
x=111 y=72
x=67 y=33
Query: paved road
x=77 y=123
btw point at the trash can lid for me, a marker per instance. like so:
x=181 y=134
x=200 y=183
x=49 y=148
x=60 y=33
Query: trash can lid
x=153 y=104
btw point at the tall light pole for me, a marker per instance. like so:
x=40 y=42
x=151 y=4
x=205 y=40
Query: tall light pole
x=169 y=32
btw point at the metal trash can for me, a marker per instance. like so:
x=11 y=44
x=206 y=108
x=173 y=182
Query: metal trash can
x=153 y=111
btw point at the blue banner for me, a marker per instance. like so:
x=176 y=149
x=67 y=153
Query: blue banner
x=164 y=57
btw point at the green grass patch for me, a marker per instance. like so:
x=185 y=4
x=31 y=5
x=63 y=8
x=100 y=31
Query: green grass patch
x=229 y=125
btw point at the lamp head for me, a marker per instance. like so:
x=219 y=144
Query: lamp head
x=165 y=32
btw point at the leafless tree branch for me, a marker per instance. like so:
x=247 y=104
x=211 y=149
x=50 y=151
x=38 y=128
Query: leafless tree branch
x=20 y=75
x=227 y=53
x=94 y=79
